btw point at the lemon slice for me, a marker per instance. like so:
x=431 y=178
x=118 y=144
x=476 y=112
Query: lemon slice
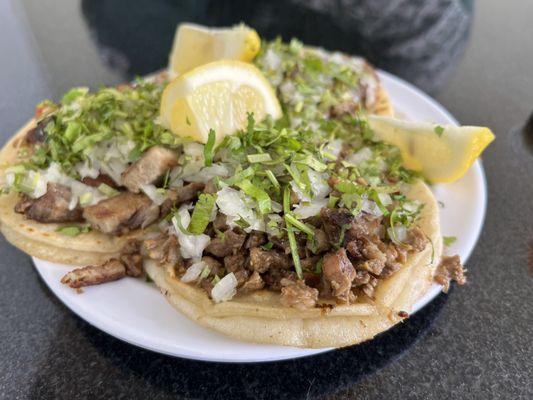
x=217 y=96
x=443 y=153
x=195 y=45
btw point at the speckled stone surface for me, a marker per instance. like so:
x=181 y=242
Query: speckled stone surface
x=474 y=343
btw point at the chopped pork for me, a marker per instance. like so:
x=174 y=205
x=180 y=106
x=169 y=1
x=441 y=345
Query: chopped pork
x=122 y=213
x=149 y=168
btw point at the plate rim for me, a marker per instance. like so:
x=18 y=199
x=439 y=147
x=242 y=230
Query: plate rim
x=427 y=298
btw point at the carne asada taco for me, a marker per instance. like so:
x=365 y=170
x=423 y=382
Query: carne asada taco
x=296 y=227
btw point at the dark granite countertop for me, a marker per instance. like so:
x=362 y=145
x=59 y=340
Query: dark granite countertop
x=474 y=343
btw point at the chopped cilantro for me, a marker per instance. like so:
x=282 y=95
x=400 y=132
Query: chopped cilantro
x=268 y=246
x=439 y=130
x=449 y=240
x=73 y=230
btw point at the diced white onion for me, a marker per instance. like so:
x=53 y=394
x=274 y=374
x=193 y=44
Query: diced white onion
x=236 y=205
x=152 y=192
x=73 y=202
x=370 y=207
x=41 y=186
x=272 y=59
x=193 y=272
x=272 y=226
x=125 y=148
x=193 y=149
x=114 y=168
x=398 y=234
x=225 y=289
x=287 y=89
x=411 y=206
x=311 y=209
x=334 y=147
x=299 y=192
x=208 y=173
x=191 y=246
x=385 y=199
x=319 y=183
x=276 y=207
x=85 y=170
x=10 y=179
x=360 y=156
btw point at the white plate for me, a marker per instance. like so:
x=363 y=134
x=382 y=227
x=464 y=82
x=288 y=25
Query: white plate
x=135 y=312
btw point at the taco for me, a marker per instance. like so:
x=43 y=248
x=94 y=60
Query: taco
x=305 y=231
x=322 y=310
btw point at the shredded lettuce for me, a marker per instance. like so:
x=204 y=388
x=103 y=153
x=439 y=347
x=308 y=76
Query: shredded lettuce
x=290 y=232
x=73 y=230
x=259 y=157
x=209 y=148
x=264 y=202
x=201 y=213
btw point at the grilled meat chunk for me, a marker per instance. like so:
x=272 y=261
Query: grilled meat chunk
x=53 y=206
x=102 y=178
x=164 y=249
x=319 y=243
x=37 y=135
x=363 y=226
x=177 y=196
x=375 y=258
x=210 y=187
x=255 y=239
x=450 y=268
x=298 y=294
x=133 y=264
x=417 y=239
x=344 y=108
x=340 y=273
x=220 y=222
x=229 y=244
x=234 y=262
x=263 y=260
x=335 y=223
x=149 y=168
x=309 y=263
x=369 y=288
x=215 y=267
x=186 y=193
x=122 y=213
x=255 y=282
x=109 y=271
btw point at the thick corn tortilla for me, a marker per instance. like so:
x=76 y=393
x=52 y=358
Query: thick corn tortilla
x=259 y=317
x=41 y=240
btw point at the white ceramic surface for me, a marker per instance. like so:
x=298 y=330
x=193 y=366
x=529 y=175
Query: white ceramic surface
x=134 y=311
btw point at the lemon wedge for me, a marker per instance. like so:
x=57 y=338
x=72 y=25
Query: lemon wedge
x=442 y=153
x=217 y=96
x=195 y=45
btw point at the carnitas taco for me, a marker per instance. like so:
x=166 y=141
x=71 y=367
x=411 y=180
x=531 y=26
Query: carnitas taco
x=299 y=229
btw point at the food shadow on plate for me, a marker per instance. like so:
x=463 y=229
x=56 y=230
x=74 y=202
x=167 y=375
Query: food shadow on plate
x=306 y=377
x=420 y=43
